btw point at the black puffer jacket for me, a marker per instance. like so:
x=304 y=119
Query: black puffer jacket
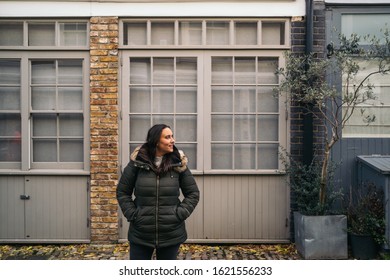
x=157 y=215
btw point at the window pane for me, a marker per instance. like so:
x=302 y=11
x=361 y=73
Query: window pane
x=70 y=72
x=383 y=95
x=218 y=33
x=245 y=99
x=132 y=148
x=165 y=119
x=245 y=156
x=268 y=156
x=365 y=130
x=163 y=33
x=266 y=72
x=44 y=125
x=364 y=24
x=382 y=116
x=43 y=98
x=10 y=125
x=71 y=125
x=268 y=127
x=222 y=128
x=186 y=70
x=10 y=150
x=43 y=72
x=246 y=33
x=41 y=34
x=135 y=33
x=140 y=71
x=70 y=98
x=139 y=126
x=71 y=150
x=222 y=99
x=190 y=33
x=272 y=33
x=222 y=70
x=163 y=71
x=9 y=72
x=357 y=124
x=186 y=101
x=10 y=137
x=221 y=156
x=190 y=151
x=163 y=100
x=244 y=128
x=73 y=34
x=9 y=98
x=140 y=99
x=368 y=67
x=267 y=100
x=11 y=34
x=245 y=70
x=186 y=128
x=44 y=150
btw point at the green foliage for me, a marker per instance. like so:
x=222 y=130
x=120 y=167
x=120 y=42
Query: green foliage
x=305 y=183
x=305 y=82
x=366 y=212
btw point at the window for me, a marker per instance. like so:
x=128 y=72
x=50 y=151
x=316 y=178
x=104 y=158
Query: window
x=197 y=33
x=48 y=34
x=10 y=111
x=380 y=107
x=212 y=81
x=357 y=127
x=43 y=95
x=164 y=90
x=57 y=111
x=363 y=24
x=221 y=108
x=244 y=113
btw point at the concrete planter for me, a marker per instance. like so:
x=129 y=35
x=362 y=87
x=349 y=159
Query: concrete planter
x=363 y=247
x=321 y=237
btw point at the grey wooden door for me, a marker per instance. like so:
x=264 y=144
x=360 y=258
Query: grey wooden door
x=11 y=207
x=44 y=209
x=238 y=209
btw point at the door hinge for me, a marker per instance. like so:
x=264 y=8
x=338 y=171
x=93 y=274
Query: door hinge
x=88 y=184
x=286 y=222
x=120 y=222
x=88 y=222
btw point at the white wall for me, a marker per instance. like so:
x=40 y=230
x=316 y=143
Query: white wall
x=174 y=9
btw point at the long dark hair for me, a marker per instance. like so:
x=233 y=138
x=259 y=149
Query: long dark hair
x=147 y=152
x=153 y=137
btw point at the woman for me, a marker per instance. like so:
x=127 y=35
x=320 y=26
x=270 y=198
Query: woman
x=155 y=174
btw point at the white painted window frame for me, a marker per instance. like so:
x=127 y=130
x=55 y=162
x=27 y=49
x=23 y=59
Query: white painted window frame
x=203 y=105
x=26 y=166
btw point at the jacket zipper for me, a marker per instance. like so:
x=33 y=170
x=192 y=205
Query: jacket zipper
x=157 y=206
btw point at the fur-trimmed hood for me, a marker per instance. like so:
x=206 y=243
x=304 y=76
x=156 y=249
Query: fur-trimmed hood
x=178 y=160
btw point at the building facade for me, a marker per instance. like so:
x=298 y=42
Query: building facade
x=81 y=83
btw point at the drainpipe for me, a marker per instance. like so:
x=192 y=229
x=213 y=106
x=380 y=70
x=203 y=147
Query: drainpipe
x=307 y=116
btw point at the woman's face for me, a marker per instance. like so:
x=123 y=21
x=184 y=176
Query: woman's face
x=166 y=142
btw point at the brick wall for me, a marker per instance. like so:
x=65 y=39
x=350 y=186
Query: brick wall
x=298 y=43
x=104 y=128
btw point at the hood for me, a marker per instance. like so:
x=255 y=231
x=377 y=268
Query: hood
x=178 y=159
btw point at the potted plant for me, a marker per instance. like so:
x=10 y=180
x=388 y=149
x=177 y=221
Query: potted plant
x=366 y=221
x=305 y=81
x=320 y=231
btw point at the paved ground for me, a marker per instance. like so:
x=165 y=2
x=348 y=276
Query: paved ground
x=121 y=252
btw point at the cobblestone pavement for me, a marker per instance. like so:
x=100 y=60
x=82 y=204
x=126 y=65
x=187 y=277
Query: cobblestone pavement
x=121 y=252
